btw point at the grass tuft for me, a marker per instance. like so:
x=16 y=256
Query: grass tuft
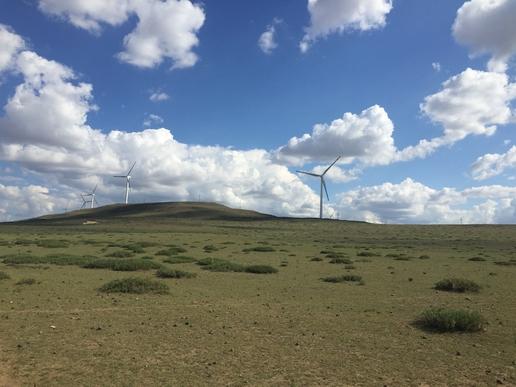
x=120 y=254
x=26 y=281
x=53 y=259
x=260 y=269
x=451 y=320
x=343 y=278
x=4 y=275
x=166 y=272
x=179 y=259
x=477 y=259
x=134 y=286
x=342 y=261
x=122 y=264
x=367 y=254
x=259 y=249
x=174 y=250
x=458 y=285
x=52 y=244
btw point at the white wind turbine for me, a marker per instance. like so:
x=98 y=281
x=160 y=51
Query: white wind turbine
x=127 y=178
x=92 y=201
x=323 y=184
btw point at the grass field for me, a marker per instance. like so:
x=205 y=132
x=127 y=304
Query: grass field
x=221 y=323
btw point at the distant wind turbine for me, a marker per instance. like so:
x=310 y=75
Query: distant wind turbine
x=92 y=195
x=323 y=185
x=127 y=178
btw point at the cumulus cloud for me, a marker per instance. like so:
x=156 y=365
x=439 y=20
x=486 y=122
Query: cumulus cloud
x=493 y=164
x=158 y=96
x=364 y=137
x=267 y=41
x=470 y=103
x=152 y=119
x=10 y=45
x=88 y=14
x=165 y=29
x=25 y=201
x=436 y=66
x=414 y=202
x=488 y=27
x=337 y=16
x=44 y=130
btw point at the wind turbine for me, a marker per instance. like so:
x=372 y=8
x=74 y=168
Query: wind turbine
x=92 y=200
x=127 y=178
x=84 y=201
x=323 y=184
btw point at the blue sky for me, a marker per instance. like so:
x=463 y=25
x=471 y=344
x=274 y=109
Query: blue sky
x=240 y=98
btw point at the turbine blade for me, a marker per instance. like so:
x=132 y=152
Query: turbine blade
x=94 y=189
x=128 y=173
x=325 y=189
x=119 y=176
x=309 y=173
x=332 y=164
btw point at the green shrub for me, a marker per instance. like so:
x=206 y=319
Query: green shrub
x=424 y=256
x=122 y=264
x=367 y=254
x=316 y=259
x=349 y=267
x=179 y=259
x=53 y=259
x=52 y=243
x=224 y=266
x=165 y=272
x=506 y=263
x=26 y=281
x=344 y=261
x=260 y=249
x=135 y=286
x=336 y=255
x=402 y=259
x=394 y=255
x=451 y=320
x=477 y=259
x=4 y=275
x=23 y=242
x=260 y=269
x=343 y=278
x=174 y=250
x=120 y=254
x=209 y=261
x=210 y=248
x=458 y=285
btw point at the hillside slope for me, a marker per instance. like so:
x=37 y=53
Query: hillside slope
x=165 y=210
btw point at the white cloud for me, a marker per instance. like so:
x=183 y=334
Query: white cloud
x=10 y=45
x=413 y=202
x=337 y=16
x=165 y=29
x=267 y=41
x=45 y=132
x=493 y=164
x=88 y=14
x=152 y=119
x=488 y=27
x=23 y=202
x=436 y=66
x=158 y=96
x=366 y=137
x=470 y=103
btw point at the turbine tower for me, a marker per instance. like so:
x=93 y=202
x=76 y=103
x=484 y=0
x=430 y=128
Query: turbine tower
x=92 y=200
x=323 y=185
x=127 y=178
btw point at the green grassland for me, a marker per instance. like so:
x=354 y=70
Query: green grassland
x=216 y=314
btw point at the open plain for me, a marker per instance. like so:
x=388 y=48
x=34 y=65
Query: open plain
x=238 y=326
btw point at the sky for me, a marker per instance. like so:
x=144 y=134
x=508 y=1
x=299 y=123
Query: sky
x=224 y=100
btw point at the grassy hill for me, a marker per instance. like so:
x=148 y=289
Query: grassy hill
x=153 y=211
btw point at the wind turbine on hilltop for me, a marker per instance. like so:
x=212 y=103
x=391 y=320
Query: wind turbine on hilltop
x=92 y=200
x=323 y=185
x=127 y=178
